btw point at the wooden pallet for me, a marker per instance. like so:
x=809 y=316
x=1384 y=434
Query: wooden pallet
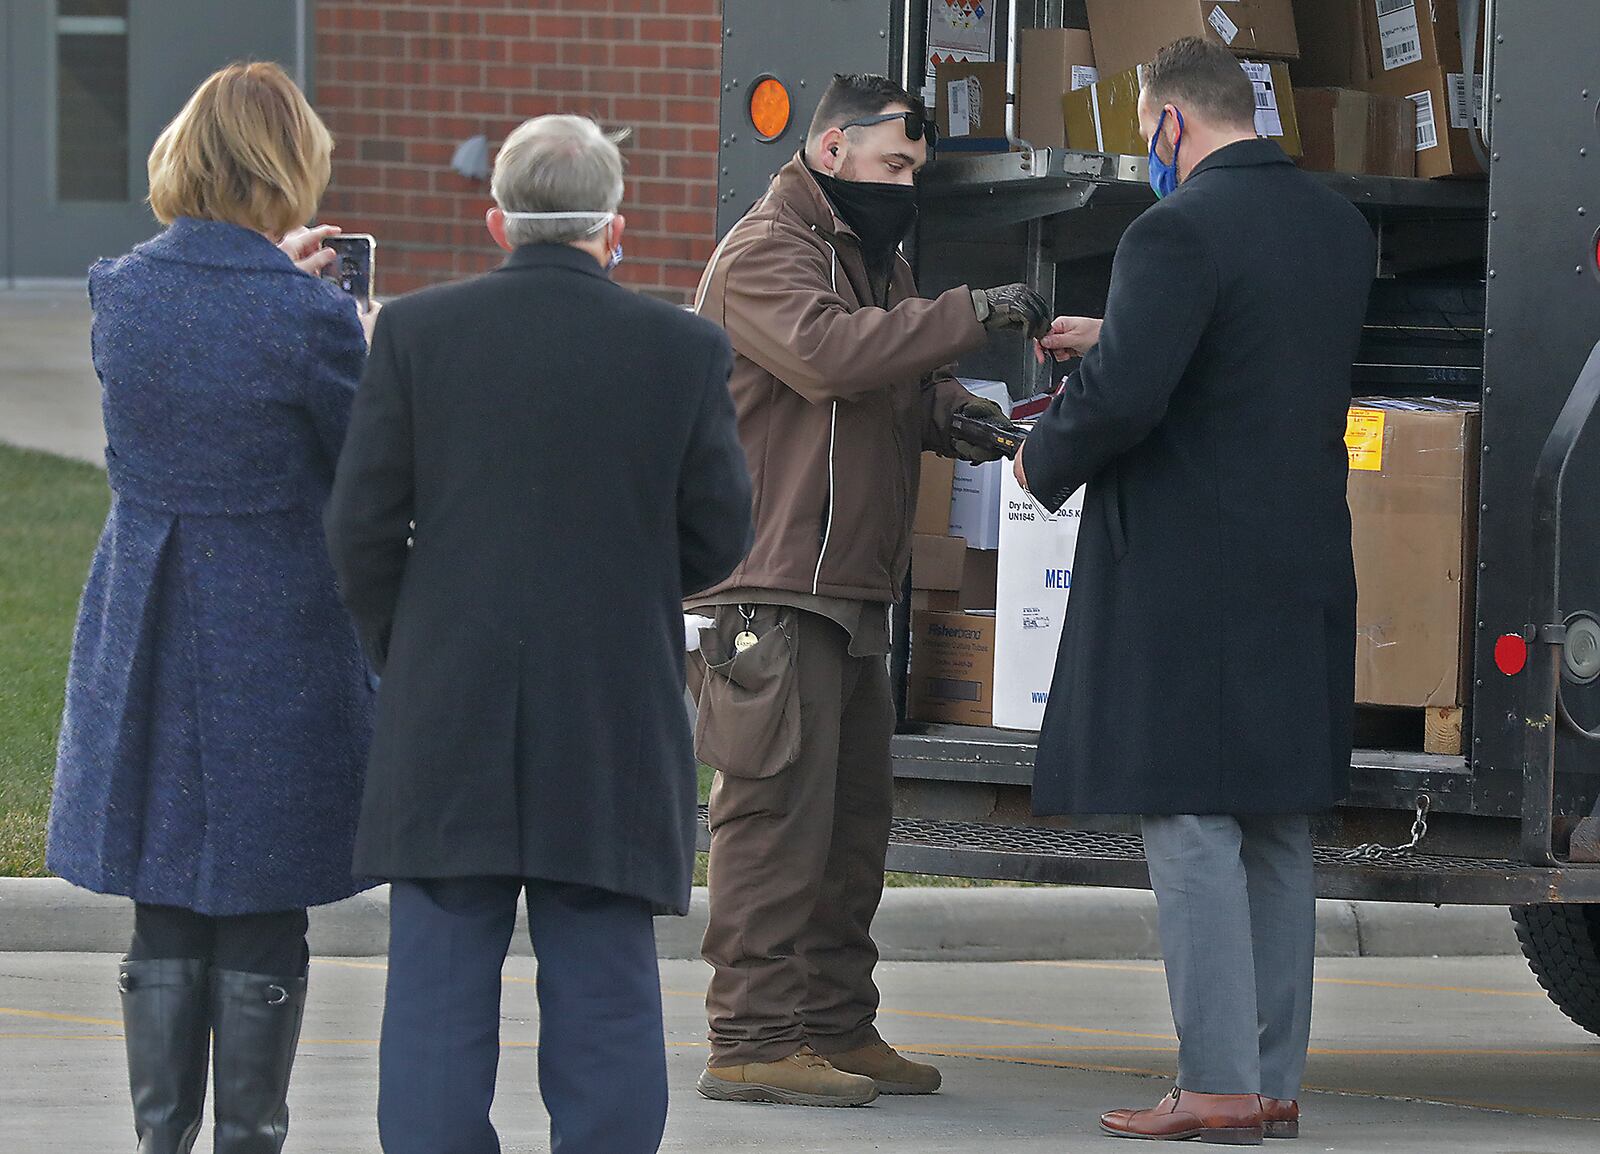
x=1436 y=729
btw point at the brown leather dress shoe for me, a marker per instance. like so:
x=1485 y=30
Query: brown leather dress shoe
x=1226 y=1119
x=1280 y=1117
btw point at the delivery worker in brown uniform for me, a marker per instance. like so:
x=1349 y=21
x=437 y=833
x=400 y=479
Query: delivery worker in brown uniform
x=840 y=384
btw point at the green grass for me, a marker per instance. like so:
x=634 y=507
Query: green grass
x=51 y=511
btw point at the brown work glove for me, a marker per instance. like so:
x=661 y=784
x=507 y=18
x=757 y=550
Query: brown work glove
x=1012 y=306
x=980 y=410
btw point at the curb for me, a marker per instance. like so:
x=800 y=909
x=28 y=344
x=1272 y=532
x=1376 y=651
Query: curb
x=991 y=924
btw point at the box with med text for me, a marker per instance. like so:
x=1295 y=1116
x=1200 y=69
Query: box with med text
x=1412 y=493
x=1105 y=116
x=1127 y=33
x=1033 y=582
x=952 y=668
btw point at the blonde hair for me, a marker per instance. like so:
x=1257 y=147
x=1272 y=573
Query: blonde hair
x=247 y=149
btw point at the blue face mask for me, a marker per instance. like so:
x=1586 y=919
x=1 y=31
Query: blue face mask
x=1164 y=176
x=616 y=258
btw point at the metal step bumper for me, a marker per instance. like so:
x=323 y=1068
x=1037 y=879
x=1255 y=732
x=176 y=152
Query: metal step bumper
x=1083 y=857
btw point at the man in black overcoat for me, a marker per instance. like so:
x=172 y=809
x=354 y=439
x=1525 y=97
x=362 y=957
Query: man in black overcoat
x=540 y=466
x=1206 y=673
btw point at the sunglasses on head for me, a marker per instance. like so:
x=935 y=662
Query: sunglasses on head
x=917 y=125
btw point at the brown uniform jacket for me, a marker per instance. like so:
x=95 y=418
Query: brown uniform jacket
x=836 y=397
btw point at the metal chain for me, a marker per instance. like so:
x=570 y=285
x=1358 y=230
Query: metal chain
x=1372 y=851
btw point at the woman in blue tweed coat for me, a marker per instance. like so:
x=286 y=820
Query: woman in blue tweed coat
x=219 y=708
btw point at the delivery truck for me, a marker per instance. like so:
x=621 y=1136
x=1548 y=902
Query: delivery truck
x=1482 y=783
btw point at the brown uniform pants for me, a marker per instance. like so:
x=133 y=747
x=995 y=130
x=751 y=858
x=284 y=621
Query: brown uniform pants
x=797 y=855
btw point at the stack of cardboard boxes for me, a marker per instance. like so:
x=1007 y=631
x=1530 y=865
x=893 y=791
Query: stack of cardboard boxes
x=952 y=611
x=1396 y=50
x=1360 y=86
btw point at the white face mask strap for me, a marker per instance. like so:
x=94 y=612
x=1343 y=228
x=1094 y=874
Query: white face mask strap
x=601 y=218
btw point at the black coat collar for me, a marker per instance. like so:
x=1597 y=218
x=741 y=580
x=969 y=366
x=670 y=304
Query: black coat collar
x=1243 y=154
x=552 y=256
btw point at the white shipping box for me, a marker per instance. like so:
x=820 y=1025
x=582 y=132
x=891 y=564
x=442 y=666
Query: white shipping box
x=1035 y=579
x=975 y=496
x=975 y=503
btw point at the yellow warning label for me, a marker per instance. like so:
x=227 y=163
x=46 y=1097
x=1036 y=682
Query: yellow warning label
x=1363 y=437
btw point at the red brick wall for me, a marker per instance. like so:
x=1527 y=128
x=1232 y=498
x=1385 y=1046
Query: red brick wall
x=402 y=82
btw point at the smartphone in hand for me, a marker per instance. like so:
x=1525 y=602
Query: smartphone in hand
x=352 y=269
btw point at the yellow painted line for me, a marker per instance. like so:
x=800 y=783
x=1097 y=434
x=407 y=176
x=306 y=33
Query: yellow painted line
x=1487 y=993
x=1090 y=1067
x=1023 y=1024
x=1126 y=968
x=1323 y=1051
x=1463 y=1103
x=49 y=1016
x=929 y=1015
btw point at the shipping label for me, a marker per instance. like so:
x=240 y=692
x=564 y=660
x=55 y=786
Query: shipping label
x=1363 y=438
x=966 y=105
x=1269 y=122
x=1084 y=75
x=1399 y=33
x=1222 y=25
x=1464 y=112
x=1427 y=126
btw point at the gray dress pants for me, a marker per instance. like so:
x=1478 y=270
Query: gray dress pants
x=1237 y=909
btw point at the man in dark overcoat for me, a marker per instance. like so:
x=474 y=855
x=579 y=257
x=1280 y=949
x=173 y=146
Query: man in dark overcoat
x=540 y=466
x=1207 y=667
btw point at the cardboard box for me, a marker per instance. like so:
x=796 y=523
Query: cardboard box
x=933 y=495
x=936 y=600
x=1414 y=50
x=1342 y=130
x=938 y=562
x=979 y=582
x=971 y=101
x=1105 y=116
x=1127 y=33
x=1333 y=44
x=952 y=668
x=1034 y=579
x=1413 y=495
x=1050 y=63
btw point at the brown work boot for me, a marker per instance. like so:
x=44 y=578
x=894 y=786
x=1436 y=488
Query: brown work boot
x=1226 y=1119
x=802 y=1079
x=1280 y=1117
x=893 y=1074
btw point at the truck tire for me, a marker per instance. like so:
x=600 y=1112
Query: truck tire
x=1562 y=945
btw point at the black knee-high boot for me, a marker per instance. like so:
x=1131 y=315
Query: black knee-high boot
x=166 y=1022
x=256 y=1022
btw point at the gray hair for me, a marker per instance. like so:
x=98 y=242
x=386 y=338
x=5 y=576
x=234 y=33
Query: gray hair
x=557 y=164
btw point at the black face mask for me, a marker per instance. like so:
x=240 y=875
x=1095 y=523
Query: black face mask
x=880 y=214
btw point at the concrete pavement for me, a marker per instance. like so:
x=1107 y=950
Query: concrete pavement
x=1459 y=1055
x=49 y=396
